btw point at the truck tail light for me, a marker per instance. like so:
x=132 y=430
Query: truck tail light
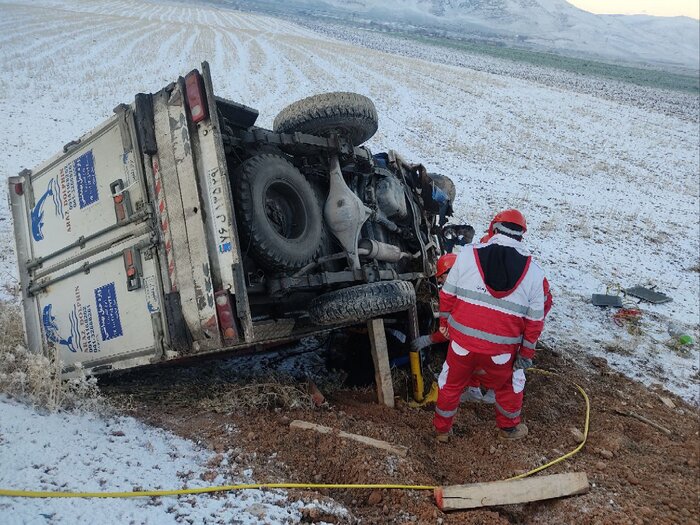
x=19 y=189
x=132 y=267
x=196 y=97
x=227 y=319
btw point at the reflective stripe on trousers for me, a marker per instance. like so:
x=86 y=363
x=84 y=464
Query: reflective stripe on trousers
x=509 y=415
x=446 y=413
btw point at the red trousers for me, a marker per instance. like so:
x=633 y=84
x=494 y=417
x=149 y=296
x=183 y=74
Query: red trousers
x=456 y=375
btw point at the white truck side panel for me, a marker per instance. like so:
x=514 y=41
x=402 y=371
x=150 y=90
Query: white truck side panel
x=72 y=196
x=92 y=318
x=80 y=302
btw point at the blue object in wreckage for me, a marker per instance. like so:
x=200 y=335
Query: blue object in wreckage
x=439 y=195
x=382 y=160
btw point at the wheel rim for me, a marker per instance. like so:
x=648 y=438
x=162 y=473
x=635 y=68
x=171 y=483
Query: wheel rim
x=285 y=210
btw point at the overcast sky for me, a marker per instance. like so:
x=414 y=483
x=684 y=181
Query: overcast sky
x=649 y=7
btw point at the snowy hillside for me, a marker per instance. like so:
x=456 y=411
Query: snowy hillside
x=88 y=453
x=553 y=25
x=610 y=190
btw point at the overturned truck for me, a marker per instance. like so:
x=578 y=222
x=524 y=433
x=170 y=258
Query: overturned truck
x=178 y=228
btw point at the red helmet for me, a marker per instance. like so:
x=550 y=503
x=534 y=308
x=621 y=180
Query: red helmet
x=445 y=263
x=513 y=216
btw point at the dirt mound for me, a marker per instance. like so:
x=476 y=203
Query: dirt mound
x=637 y=473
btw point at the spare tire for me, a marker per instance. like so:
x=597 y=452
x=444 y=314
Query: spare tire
x=347 y=114
x=362 y=302
x=279 y=216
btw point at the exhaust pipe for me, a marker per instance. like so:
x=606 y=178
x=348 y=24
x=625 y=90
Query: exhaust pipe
x=382 y=251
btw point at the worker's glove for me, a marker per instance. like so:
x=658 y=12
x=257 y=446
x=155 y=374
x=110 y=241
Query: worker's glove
x=421 y=342
x=522 y=363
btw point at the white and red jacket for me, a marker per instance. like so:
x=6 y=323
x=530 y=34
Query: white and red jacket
x=484 y=320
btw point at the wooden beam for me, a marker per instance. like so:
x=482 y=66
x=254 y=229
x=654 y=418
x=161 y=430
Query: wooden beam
x=380 y=356
x=647 y=421
x=457 y=497
x=399 y=450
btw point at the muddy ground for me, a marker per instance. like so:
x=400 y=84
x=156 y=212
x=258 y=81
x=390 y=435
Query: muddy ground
x=637 y=473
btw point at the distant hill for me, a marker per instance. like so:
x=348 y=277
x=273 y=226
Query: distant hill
x=552 y=25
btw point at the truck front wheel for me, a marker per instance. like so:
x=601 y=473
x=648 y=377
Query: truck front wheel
x=279 y=216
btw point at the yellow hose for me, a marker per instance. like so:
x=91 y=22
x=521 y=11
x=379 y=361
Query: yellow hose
x=203 y=490
x=585 y=429
x=226 y=488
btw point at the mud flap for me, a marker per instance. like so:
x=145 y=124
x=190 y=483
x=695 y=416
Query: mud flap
x=179 y=335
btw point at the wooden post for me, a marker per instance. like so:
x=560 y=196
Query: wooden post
x=380 y=356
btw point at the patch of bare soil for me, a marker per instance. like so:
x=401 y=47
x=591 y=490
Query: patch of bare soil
x=638 y=474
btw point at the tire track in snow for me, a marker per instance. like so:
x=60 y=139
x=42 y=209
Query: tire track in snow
x=223 y=61
x=233 y=78
x=17 y=28
x=100 y=33
x=39 y=29
x=280 y=79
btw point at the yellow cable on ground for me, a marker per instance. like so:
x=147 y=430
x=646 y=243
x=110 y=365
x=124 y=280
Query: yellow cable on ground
x=226 y=488
x=585 y=429
x=204 y=490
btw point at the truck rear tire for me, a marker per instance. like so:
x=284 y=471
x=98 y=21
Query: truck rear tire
x=362 y=302
x=279 y=216
x=347 y=114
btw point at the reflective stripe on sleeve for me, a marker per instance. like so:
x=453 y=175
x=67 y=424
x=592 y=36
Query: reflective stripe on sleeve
x=491 y=338
x=535 y=315
x=528 y=344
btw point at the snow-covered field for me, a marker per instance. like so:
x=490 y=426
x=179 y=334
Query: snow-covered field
x=89 y=453
x=610 y=189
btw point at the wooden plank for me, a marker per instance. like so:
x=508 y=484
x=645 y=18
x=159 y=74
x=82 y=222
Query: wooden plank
x=380 y=357
x=646 y=420
x=399 y=450
x=476 y=495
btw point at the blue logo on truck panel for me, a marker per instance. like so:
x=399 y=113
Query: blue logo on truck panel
x=72 y=342
x=37 y=214
x=75 y=186
x=108 y=312
x=85 y=179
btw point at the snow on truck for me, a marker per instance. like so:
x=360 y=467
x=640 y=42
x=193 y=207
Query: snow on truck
x=178 y=228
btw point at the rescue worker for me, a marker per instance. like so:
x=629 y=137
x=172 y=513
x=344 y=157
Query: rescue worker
x=444 y=265
x=473 y=391
x=493 y=306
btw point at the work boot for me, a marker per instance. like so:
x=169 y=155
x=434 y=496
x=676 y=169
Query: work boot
x=489 y=397
x=513 y=433
x=472 y=394
x=442 y=437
